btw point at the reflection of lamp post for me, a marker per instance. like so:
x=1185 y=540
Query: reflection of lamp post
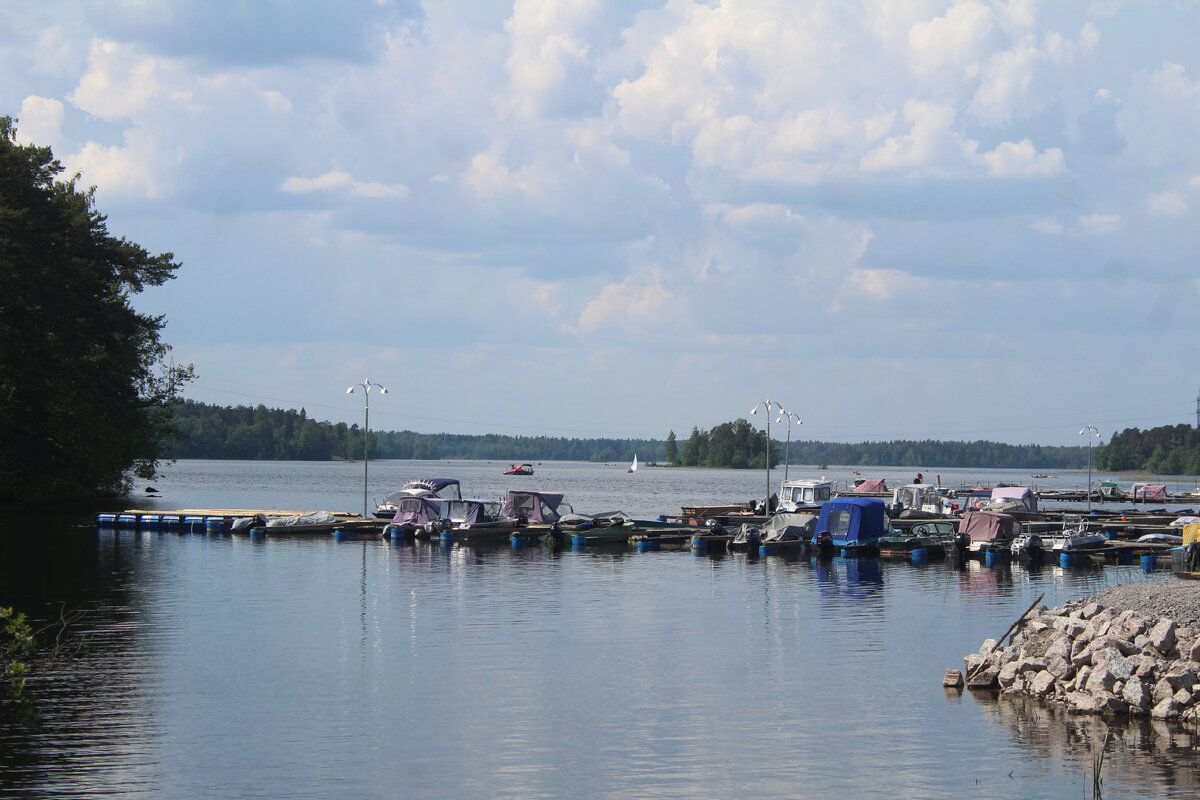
x=787 y=453
x=1092 y=429
x=768 y=405
x=366 y=387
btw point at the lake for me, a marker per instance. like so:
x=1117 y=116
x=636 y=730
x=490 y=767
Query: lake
x=230 y=667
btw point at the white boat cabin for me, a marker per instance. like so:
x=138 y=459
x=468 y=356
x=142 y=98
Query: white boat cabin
x=794 y=495
x=921 y=498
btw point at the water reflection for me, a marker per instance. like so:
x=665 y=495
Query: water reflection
x=1139 y=753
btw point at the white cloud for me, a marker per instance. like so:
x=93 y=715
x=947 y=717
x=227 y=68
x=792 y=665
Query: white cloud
x=770 y=215
x=40 y=121
x=881 y=284
x=122 y=83
x=930 y=147
x=1022 y=160
x=1167 y=204
x=956 y=38
x=546 y=51
x=639 y=298
x=339 y=181
x=118 y=172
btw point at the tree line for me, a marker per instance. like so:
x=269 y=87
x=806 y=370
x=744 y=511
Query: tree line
x=1166 y=450
x=243 y=432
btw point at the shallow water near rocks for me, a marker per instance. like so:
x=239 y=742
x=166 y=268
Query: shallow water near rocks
x=231 y=667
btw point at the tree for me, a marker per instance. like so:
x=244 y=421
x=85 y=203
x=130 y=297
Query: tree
x=84 y=382
x=672 y=452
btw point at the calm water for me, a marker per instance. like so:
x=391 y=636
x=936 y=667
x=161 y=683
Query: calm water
x=239 y=668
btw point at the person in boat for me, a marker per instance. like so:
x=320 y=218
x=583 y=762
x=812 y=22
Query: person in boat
x=920 y=478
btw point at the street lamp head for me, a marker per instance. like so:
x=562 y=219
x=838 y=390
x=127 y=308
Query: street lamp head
x=383 y=390
x=350 y=390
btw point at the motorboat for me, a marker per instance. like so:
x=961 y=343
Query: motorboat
x=804 y=494
x=853 y=524
x=926 y=539
x=787 y=533
x=519 y=469
x=921 y=501
x=988 y=532
x=446 y=488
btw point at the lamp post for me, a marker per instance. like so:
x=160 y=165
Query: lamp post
x=1089 y=428
x=787 y=453
x=767 y=404
x=366 y=386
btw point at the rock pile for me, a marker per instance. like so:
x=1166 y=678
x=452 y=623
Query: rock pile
x=1097 y=660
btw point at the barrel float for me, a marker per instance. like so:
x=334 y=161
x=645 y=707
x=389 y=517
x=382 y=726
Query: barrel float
x=1149 y=562
x=170 y=522
x=193 y=524
x=648 y=545
x=990 y=557
x=342 y=535
x=766 y=550
x=106 y=520
x=127 y=520
x=699 y=546
x=1067 y=559
x=1124 y=556
x=447 y=537
x=579 y=540
x=920 y=554
x=214 y=525
x=148 y=522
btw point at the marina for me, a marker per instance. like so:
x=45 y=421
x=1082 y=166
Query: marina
x=312 y=666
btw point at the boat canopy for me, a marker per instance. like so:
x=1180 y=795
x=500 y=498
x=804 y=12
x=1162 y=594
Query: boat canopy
x=442 y=487
x=416 y=511
x=986 y=526
x=852 y=521
x=875 y=485
x=535 y=507
x=1149 y=491
x=790 y=527
x=1021 y=495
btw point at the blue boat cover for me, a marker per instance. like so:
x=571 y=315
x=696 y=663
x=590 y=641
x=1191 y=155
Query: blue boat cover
x=854 y=521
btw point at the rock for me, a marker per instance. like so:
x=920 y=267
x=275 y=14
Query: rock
x=1090 y=610
x=1031 y=665
x=988 y=646
x=1162 y=636
x=1007 y=675
x=985 y=678
x=1081 y=677
x=972 y=662
x=953 y=679
x=1100 y=680
x=1147 y=668
x=1115 y=662
x=1060 y=668
x=1042 y=683
x=1131 y=624
x=1071 y=627
x=1192 y=651
x=1163 y=690
x=1167 y=709
x=1035 y=626
x=1137 y=694
x=1183 y=697
x=1181 y=677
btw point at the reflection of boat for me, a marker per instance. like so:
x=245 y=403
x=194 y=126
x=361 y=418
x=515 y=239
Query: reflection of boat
x=633 y=466
x=521 y=469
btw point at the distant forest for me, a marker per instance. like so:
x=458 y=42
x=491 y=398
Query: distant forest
x=1167 y=450
x=242 y=432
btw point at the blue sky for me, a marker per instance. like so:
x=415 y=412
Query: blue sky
x=898 y=219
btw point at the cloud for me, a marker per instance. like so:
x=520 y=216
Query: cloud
x=1097 y=224
x=1022 y=160
x=343 y=182
x=956 y=38
x=637 y=299
x=40 y=121
x=1167 y=204
x=881 y=284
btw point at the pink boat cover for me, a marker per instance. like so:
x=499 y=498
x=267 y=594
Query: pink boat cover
x=872 y=485
x=1148 y=491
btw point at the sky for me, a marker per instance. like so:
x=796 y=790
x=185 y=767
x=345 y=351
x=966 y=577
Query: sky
x=897 y=219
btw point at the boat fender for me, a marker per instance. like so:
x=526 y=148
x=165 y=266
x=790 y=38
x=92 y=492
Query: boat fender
x=429 y=528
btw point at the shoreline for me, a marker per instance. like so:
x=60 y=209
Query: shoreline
x=1130 y=650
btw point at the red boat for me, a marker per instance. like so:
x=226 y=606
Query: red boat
x=523 y=469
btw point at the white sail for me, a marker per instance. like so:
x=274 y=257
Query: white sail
x=633 y=466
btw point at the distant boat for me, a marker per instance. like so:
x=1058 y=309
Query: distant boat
x=523 y=469
x=633 y=466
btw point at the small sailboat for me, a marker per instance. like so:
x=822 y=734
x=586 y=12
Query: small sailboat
x=633 y=466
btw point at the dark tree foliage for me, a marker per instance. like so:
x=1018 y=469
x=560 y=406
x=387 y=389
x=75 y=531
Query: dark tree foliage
x=736 y=444
x=1166 y=450
x=207 y=431
x=931 y=453
x=82 y=380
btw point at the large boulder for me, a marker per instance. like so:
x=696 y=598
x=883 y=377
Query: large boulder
x=1042 y=683
x=1137 y=694
x=1162 y=636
